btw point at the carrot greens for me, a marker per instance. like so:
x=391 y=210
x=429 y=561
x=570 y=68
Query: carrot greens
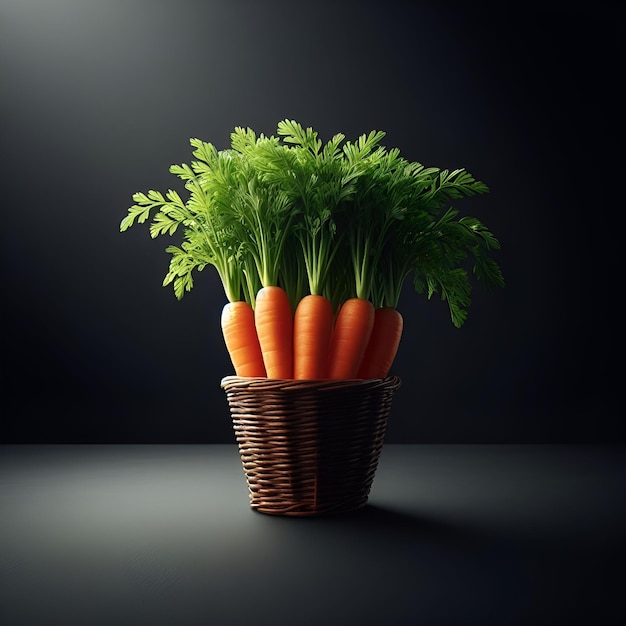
x=314 y=179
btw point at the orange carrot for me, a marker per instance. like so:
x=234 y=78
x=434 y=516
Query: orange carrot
x=312 y=329
x=350 y=337
x=274 y=327
x=383 y=344
x=241 y=339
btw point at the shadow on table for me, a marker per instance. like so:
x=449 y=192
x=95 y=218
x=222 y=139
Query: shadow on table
x=396 y=526
x=377 y=518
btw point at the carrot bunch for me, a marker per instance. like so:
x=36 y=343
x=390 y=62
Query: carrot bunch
x=313 y=243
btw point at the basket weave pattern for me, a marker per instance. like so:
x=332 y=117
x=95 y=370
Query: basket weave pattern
x=309 y=447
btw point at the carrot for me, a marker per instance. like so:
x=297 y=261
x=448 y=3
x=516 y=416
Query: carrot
x=383 y=344
x=274 y=327
x=312 y=329
x=350 y=337
x=241 y=339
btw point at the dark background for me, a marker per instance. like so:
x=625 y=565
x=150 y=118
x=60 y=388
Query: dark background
x=100 y=97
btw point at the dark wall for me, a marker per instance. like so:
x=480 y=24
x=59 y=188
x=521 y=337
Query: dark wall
x=99 y=98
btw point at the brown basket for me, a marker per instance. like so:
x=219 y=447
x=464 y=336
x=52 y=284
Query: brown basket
x=309 y=447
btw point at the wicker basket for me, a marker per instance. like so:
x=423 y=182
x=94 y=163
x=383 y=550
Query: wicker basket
x=309 y=447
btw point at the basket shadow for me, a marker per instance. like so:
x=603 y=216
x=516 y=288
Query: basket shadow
x=402 y=524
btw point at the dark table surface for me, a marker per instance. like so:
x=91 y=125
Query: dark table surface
x=116 y=535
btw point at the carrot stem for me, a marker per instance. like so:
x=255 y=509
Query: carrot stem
x=274 y=326
x=350 y=337
x=312 y=330
x=241 y=339
x=383 y=344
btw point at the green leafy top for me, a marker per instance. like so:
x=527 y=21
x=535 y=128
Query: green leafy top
x=341 y=218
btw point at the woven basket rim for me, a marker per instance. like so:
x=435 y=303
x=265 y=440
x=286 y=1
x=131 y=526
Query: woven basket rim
x=289 y=384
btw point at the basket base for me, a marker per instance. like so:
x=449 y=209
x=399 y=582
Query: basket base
x=304 y=511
